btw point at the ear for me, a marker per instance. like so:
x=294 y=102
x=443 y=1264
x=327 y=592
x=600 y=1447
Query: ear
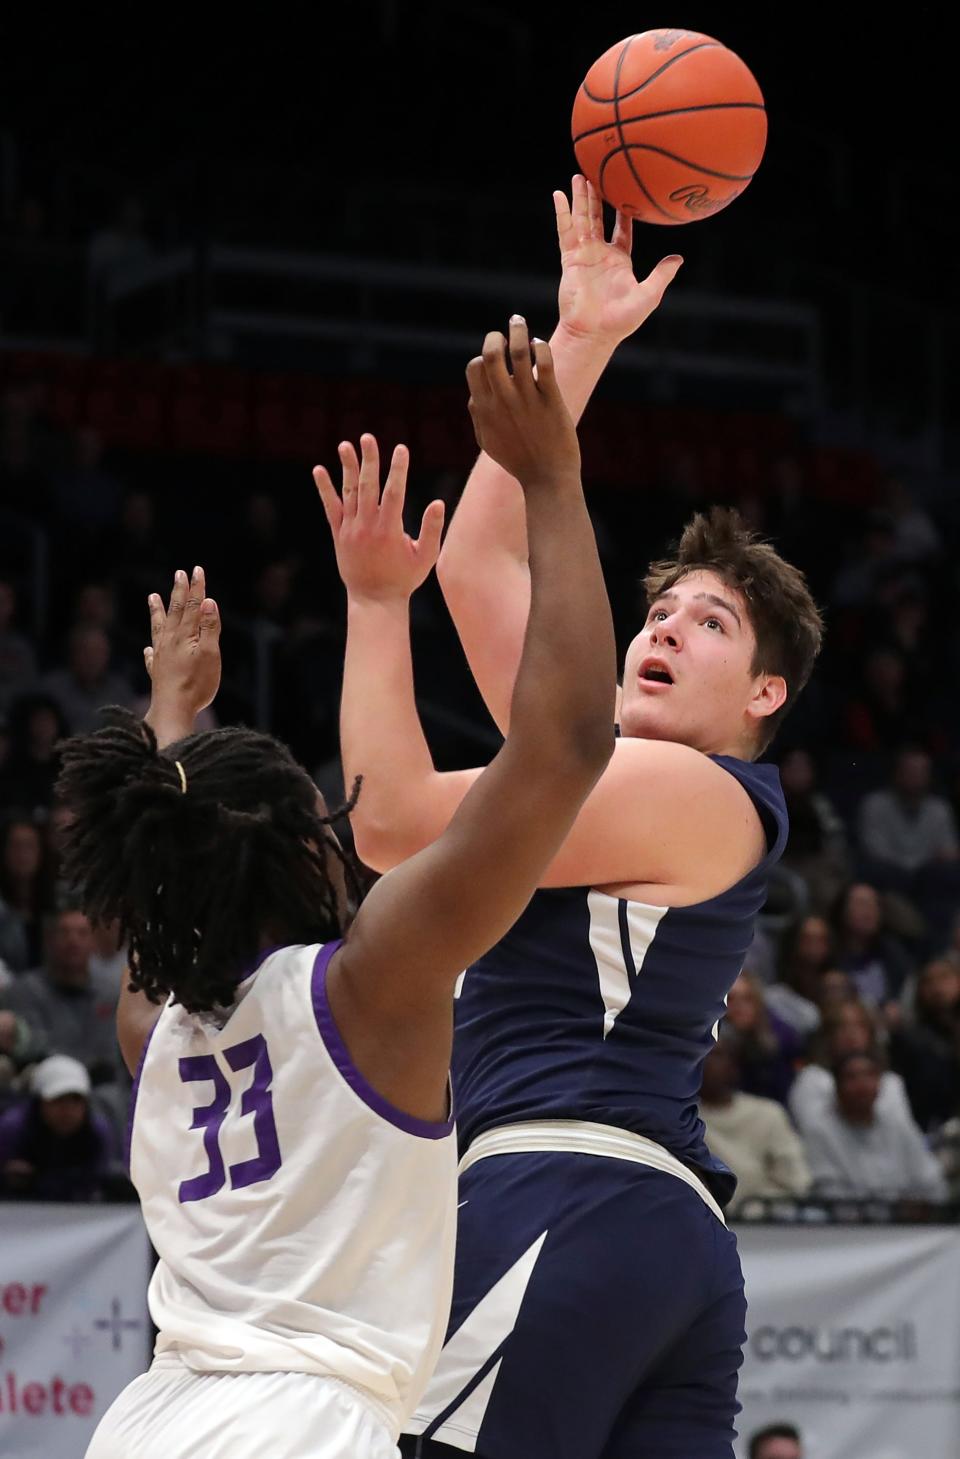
x=769 y=695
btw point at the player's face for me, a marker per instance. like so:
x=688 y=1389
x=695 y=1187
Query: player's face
x=698 y=634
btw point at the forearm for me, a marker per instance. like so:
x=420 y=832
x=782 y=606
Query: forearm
x=483 y=568
x=381 y=737
x=490 y=517
x=568 y=666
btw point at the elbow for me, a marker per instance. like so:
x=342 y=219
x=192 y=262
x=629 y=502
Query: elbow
x=373 y=843
x=450 y=572
x=381 y=845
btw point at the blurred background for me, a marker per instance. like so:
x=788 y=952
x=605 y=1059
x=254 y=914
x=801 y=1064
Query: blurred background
x=221 y=253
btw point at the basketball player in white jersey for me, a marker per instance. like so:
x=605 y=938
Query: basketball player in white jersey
x=291 y=1138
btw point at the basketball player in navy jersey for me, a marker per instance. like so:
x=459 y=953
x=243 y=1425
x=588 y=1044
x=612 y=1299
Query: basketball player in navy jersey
x=598 y=1308
x=292 y=1139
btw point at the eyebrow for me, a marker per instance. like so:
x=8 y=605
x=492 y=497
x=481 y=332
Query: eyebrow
x=670 y=597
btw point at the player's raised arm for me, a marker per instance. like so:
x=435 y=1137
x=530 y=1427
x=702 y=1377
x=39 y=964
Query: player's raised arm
x=183 y=662
x=422 y=924
x=483 y=565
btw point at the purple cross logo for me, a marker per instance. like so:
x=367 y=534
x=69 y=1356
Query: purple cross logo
x=117 y=1325
x=77 y=1341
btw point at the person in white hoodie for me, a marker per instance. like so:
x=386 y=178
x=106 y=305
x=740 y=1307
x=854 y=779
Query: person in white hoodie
x=857 y=1150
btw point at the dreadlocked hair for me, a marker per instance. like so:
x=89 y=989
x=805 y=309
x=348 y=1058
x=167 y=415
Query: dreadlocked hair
x=786 y=621
x=199 y=871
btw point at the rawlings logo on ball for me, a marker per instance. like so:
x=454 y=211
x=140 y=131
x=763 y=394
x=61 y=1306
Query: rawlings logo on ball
x=697 y=198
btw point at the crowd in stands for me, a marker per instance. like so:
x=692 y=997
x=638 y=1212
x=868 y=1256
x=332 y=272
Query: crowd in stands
x=837 y=1069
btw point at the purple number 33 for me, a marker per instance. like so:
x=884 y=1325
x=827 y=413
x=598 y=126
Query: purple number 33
x=256 y=1101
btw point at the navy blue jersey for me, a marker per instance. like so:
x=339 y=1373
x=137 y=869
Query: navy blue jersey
x=596 y=1008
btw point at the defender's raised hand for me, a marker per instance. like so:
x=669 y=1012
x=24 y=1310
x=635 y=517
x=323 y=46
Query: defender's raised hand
x=600 y=297
x=518 y=414
x=376 y=558
x=183 y=659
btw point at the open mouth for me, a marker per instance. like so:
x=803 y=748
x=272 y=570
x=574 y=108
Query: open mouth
x=654 y=673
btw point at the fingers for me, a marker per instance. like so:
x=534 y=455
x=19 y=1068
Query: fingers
x=395 y=486
x=566 y=232
x=331 y=503
x=477 y=380
x=431 y=531
x=594 y=212
x=546 y=375
x=209 y=623
x=178 y=598
x=660 y=278
x=195 y=596
x=495 y=361
x=368 y=491
x=581 y=208
x=158 y=617
x=351 y=477
x=148 y=661
x=623 y=233
x=520 y=358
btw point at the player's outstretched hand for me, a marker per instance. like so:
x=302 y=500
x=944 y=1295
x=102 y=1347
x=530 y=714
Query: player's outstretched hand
x=183 y=659
x=600 y=298
x=376 y=558
x=518 y=414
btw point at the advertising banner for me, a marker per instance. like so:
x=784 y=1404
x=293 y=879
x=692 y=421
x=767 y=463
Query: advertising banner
x=854 y=1337
x=74 y=1328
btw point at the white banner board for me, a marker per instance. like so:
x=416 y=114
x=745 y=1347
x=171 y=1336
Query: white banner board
x=74 y=1328
x=854 y=1337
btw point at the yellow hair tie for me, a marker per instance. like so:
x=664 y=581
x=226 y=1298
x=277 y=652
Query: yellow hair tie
x=183 y=778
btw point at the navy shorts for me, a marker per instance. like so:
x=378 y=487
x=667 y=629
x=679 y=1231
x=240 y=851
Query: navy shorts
x=598 y=1313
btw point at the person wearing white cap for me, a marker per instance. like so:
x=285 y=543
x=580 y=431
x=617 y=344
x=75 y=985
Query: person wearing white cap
x=54 y=1145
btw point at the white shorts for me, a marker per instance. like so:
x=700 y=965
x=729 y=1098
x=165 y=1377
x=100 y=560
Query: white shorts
x=173 y=1412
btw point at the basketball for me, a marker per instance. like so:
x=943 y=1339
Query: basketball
x=669 y=126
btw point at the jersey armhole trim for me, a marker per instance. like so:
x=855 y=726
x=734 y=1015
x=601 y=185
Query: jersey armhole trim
x=340 y=1055
x=135 y=1090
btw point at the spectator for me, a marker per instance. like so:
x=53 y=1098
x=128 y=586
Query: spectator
x=87 y=497
x=836 y=988
x=109 y=960
x=33 y=762
x=795 y=998
x=134 y=556
x=916 y=538
x=87 y=685
x=61 y=1001
x=767 y=1047
x=776 y=1441
x=875 y=960
x=19 y=1046
x=55 y=1146
x=906 y=827
x=18 y=663
x=857 y=580
x=926 y=1053
x=25 y=893
x=850 y=1029
x=946 y=1147
x=752 y=1136
x=881 y=716
x=817 y=848
x=858 y=1151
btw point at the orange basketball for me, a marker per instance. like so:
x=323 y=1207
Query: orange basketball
x=669 y=125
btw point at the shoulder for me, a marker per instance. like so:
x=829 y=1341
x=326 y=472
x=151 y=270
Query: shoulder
x=700 y=792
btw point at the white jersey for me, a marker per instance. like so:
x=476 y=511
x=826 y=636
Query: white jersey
x=302 y=1223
